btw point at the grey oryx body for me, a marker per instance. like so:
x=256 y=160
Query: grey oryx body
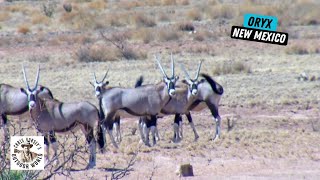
x=147 y=100
x=14 y=101
x=52 y=115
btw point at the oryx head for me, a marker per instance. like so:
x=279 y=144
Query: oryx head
x=192 y=83
x=170 y=81
x=31 y=92
x=98 y=86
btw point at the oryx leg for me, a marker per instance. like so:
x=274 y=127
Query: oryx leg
x=54 y=143
x=101 y=136
x=177 y=121
x=196 y=136
x=46 y=147
x=88 y=131
x=141 y=125
x=217 y=118
x=117 y=129
x=4 y=125
x=153 y=127
x=109 y=127
x=150 y=124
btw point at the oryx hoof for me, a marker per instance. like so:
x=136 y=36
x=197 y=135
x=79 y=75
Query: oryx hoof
x=91 y=165
x=176 y=140
x=216 y=138
x=196 y=138
x=147 y=144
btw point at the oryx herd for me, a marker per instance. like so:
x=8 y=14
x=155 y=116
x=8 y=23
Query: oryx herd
x=147 y=102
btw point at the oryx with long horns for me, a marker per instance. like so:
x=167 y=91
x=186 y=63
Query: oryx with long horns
x=13 y=102
x=51 y=115
x=178 y=105
x=147 y=100
x=194 y=94
x=99 y=88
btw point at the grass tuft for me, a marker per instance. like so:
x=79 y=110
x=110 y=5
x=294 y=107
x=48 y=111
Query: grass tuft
x=231 y=67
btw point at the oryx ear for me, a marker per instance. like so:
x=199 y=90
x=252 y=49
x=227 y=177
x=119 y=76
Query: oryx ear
x=106 y=83
x=42 y=88
x=202 y=81
x=23 y=91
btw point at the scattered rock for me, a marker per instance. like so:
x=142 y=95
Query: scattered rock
x=185 y=170
x=67 y=7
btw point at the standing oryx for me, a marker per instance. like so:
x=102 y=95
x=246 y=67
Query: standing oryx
x=147 y=100
x=194 y=95
x=51 y=115
x=178 y=105
x=14 y=101
x=99 y=88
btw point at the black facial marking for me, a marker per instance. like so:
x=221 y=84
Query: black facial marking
x=32 y=97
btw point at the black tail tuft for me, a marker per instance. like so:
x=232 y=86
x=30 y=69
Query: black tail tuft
x=217 y=88
x=139 y=82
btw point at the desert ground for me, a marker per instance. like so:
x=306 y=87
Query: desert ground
x=270 y=107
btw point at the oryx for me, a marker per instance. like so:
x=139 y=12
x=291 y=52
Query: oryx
x=195 y=95
x=147 y=100
x=14 y=101
x=209 y=93
x=99 y=87
x=51 y=115
x=179 y=104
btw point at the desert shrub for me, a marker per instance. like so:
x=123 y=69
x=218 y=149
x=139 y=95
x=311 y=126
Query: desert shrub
x=168 y=35
x=194 y=14
x=97 y=54
x=24 y=29
x=201 y=49
x=231 y=67
x=144 y=34
x=143 y=20
x=221 y=11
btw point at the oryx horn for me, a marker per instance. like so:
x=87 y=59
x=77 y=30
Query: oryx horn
x=161 y=68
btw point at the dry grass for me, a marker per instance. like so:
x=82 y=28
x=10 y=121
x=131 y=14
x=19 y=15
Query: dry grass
x=128 y=5
x=97 y=5
x=4 y=16
x=301 y=49
x=40 y=19
x=231 y=67
x=163 y=17
x=203 y=35
x=201 y=49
